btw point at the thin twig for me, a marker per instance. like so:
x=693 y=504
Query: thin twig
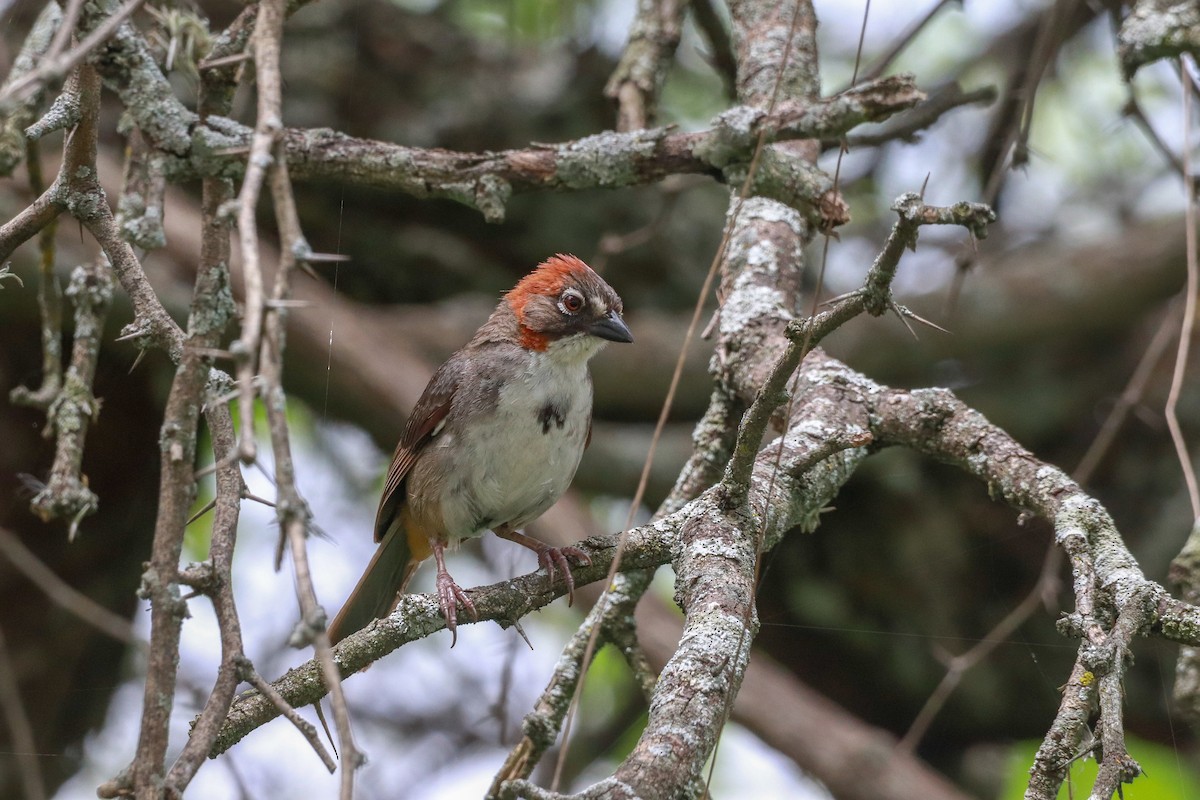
x=65 y=31
x=1016 y=138
x=24 y=746
x=907 y=125
x=1189 y=310
x=1134 y=109
x=1131 y=395
x=901 y=43
x=306 y=728
x=704 y=14
x=49 y=302
x=293 y=513
x=266 y=45
x=29 y=221
x=54 y=69
x=963 y=662
x=63 y=594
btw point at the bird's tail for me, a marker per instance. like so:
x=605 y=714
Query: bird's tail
x=379 y=587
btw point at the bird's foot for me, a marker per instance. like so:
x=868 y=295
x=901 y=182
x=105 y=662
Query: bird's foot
x=555 y=559
x=450 y=594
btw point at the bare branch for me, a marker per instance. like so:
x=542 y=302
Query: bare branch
x=61 y=593
x=66 y=494
x=639 y=75
x=306 y=728
x=902 y=41
x=49 y=307
x=14 y=120
x=1157 y=29
x=19 y=730
x=907 y=125
x=544 y=722
x=32 y=219
x=292 y=511
x=55 y=69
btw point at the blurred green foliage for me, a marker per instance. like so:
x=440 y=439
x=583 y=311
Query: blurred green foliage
x=534 y=21
x=1166 y=776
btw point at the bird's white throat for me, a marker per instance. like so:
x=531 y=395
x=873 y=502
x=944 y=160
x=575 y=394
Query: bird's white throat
x=575 y=349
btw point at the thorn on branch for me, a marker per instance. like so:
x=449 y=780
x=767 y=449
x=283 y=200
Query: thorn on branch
x=224 y=61
x=318 y=258
x=914 y=213
x=247 y=673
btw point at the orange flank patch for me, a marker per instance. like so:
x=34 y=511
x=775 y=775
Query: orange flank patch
x=419 y=548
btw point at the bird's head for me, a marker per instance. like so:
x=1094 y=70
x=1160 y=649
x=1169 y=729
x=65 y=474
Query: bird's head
x=563 y=304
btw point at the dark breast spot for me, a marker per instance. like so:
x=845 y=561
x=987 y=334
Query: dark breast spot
x=551 y=412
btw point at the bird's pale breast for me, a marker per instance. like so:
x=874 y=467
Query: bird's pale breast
x=513 y=463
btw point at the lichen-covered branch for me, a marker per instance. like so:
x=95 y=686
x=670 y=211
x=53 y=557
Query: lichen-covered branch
x=607 y=160
x=53 y=69
x=1185 y=577
x=17 y=116
x=146 y=778
x=128 y=68
x=66 y=494
x=140 y=207
x=1157 y=29
x=908 y=125
x=875 y=297
x=419 y=615
x=639 y=75
x=212 y=276
x=542 y=725
x=1108 y=584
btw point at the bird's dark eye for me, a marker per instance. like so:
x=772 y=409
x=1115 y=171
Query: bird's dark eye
x=571 y=302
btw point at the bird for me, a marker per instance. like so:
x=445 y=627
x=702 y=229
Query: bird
x=494 y=440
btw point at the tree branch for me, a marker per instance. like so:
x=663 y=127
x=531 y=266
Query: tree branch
x=54 y=69
x=639 y=75
x=1157 y=29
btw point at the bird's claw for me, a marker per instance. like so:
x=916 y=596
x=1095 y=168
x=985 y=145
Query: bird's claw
x=450 y=594
x=555 y=559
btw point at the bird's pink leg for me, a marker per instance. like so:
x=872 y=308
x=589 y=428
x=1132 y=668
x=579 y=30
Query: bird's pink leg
x=450 y=594
x=551 y=558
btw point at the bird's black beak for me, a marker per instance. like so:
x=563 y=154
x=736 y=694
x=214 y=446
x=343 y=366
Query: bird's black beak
x=612 y=328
